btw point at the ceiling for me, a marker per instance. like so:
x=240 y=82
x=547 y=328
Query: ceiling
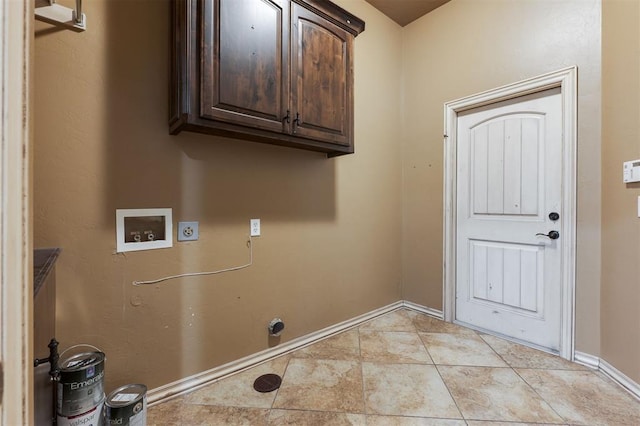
x=405 y=11
x=401 y=11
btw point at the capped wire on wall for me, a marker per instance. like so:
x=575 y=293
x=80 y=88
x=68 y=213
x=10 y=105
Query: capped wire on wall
x=195 y=274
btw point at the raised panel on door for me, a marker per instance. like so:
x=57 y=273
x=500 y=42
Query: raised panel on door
x=245 y=62
x=507 y=167
x=321 y=78
x=507 y=276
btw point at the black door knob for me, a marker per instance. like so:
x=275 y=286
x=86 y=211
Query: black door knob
x=554 y=235
x=554 y=216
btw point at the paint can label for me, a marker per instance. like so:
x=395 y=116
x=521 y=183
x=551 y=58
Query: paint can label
x=127 y=406
x=74 y=399
x=91 y=418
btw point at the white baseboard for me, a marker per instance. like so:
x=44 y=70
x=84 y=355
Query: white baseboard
x=190 y=383
x=423 y=309
x=587 y=360
x=620 y=378
x=616 y=375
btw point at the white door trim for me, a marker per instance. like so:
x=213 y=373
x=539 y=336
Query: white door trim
x=16 y=271
x=566 y=80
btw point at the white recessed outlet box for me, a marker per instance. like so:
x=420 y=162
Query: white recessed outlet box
x=631 y=171
x=143 y=229
x=188 y=231
x=255 y=227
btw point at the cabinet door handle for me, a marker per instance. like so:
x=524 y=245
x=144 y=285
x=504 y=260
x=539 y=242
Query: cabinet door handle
x=288 y=117
x=297 y=121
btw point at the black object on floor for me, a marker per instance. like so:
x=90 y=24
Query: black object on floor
x=267 y=383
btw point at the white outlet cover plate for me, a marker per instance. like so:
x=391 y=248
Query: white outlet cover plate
x=193 y=231
x=255 y=227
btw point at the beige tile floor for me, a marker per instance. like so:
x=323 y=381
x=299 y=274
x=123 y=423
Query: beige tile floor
x=405 y=368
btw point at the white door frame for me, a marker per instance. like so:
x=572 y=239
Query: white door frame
x=566 y=80
x=16 y=247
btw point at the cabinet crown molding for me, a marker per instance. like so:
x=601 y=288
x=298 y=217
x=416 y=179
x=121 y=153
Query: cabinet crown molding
x=335 y=14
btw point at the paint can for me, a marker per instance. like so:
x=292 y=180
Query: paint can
x=92 y=417
x=127 y=406
x=81 y=390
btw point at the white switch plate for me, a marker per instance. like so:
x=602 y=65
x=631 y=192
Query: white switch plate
x=255 y=227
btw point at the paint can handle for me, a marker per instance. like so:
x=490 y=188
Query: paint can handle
x=80 y=345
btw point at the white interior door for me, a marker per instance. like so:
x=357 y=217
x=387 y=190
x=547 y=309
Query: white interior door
x=509 y=189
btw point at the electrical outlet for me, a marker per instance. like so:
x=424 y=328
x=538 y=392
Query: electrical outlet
x=188 y=231
x=255 y=227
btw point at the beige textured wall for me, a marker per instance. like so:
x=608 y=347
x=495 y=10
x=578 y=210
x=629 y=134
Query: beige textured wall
x=468 y=46
x=620 y=222
x=330 y=245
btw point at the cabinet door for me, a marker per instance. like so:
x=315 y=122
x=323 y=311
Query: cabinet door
x=322 y=79
x=245 y=63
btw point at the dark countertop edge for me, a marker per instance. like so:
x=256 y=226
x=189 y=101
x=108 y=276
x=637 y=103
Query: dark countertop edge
x=44 y=259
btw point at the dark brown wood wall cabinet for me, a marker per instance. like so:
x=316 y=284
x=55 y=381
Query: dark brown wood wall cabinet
x=273 y=71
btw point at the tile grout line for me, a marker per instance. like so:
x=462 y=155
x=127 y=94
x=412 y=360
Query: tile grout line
x=462 y=416
x=565 y=421
x=507 y=366
x=364 y=386
x=438 y=371
x=277 y=391
x=424 y=345
x=522 y=378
